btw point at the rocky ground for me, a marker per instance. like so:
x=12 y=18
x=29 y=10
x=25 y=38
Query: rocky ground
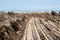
x=30 y=26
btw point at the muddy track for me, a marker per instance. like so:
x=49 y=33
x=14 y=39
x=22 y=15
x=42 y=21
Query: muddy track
x=34 y=26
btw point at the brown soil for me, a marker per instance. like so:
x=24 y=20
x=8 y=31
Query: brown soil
x=30 y=26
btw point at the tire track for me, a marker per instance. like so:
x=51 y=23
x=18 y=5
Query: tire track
x=31 y=32
x=43 y=30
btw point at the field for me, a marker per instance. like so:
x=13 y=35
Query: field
x=29 y=26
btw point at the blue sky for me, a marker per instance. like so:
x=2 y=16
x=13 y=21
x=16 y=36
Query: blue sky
x=29 y=5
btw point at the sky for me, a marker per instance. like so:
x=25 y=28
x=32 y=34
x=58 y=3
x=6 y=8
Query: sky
x=29 y=5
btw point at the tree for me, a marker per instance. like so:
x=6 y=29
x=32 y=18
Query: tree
x=11 y=14
x=59 y=12
x=53 y=12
